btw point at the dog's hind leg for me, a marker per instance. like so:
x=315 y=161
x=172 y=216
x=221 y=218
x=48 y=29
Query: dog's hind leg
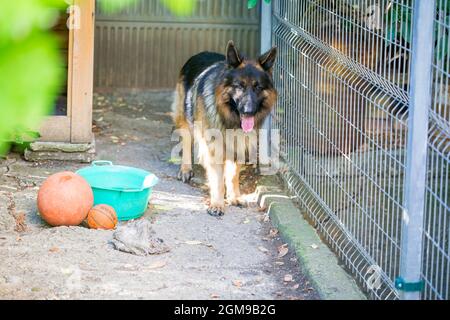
x=186 y=173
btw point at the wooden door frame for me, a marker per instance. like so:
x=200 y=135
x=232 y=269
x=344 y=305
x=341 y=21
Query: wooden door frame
x=76 y=126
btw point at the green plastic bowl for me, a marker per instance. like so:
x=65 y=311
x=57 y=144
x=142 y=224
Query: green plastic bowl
x=126 y=189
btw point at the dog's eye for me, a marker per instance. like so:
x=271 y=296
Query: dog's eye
x=257 y=86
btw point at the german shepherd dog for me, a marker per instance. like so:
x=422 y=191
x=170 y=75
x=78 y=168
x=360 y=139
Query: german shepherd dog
x=222 y=92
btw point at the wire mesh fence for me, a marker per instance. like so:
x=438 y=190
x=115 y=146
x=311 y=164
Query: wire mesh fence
x=344 y=82
x=436 y=265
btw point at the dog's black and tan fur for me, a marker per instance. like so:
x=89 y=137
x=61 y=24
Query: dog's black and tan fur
x=222 y=92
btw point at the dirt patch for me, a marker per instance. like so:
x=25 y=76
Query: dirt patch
x=236 y=257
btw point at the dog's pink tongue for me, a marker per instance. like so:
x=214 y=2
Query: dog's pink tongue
x=247 y=124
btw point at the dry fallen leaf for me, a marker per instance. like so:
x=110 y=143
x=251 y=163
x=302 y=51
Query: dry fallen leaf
x=194 y=242
x=8 y=187
x=135 y=138
x=283 y=250
x=54 y=249
x=237 y=283
x=273 y=233
x=162 y=208
x=288 y=278
x=262 y=209
x=21 y=224
x=156 y=265
x=262 y=249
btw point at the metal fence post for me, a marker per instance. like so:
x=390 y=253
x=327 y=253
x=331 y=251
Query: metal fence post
x=266 y=26
x=416 y=165
x=266 y=44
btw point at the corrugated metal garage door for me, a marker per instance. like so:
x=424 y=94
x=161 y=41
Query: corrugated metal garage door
x=145 y=46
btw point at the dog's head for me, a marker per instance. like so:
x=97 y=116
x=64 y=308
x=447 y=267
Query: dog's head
x=247 y=92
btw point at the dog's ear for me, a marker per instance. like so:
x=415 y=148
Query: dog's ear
x=234 y=58
x=267 y=60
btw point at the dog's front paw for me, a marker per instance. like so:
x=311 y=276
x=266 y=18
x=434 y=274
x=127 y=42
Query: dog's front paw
x=237 y=202
x=216 y=211
x=185 y=175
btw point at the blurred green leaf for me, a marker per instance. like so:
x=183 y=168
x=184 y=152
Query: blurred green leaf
x=252 y=3
x=111 y=6
x=30 y=66
x=180 y=7
x=177 y=7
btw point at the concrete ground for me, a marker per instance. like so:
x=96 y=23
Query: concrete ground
x=237 y=257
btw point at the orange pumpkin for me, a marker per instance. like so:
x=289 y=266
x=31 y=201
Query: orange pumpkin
x=64 y=199
x=102 y=216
